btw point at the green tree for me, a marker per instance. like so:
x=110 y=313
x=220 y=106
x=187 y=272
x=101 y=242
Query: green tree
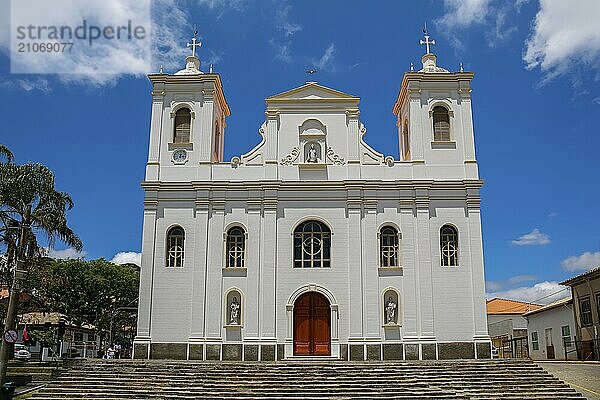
x=85 y=291
x=5 y=153
x=30 y=206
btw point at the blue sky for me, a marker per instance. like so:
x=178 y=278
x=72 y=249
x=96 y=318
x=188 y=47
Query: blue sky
x=536 y=101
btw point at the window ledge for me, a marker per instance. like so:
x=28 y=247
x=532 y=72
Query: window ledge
x=187 y=146
x=449 y=266
x=233 y=326
x=391 y=325
x=391 y=271
x=443 y=145
x=235 y=271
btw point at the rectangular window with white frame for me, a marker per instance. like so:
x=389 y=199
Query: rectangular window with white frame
x=535 y=344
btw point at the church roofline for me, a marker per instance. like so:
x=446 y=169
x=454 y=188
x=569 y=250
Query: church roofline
x=428 y=77
x=337 y=96
x=167 y=79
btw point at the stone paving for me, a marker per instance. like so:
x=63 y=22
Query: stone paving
x=581 y=376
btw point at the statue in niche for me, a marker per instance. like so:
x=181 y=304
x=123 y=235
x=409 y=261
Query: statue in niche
x=234 y=315
x=390 y=311
x=312 y=154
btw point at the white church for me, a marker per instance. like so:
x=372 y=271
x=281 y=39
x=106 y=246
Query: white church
x=312 y=245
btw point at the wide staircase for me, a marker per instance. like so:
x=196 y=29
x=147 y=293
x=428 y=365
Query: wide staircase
x=135 y=379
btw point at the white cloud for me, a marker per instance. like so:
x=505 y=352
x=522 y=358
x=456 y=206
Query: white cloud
x=565 y=37
x=282 y=51
x=127 y=257
x=463 y=13
x=541 y=293
x=64 y=254
x=27 y=84
x=326 y=58
x=238 y=5
x=583 y=262
x=104 y=62
x=514 y=280
x=283 y=22
x=533 y=238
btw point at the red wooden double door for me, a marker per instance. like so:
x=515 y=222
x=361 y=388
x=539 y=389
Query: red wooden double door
x=312 y=330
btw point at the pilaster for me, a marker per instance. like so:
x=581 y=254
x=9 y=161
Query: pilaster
x=144 y=321
x=204 y=140
x=268 y=279
x=477 y=270
x=425 y=262
x=355 y=262
x=214 y=282
x=202 y=208
x=370 y=290
x=253 y=263
x=156 y=128
x=410 y=305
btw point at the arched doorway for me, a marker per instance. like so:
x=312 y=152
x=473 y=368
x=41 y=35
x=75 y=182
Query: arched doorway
x=312 y=329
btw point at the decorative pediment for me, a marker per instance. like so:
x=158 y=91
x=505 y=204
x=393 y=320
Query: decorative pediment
x=312 y=91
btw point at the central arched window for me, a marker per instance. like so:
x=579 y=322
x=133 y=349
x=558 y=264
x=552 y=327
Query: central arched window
x=183 y=120
x=449 y=246
x=441 y=124
x=235 y=247
x=389 y=251
x=312 y=245
x=175 y=246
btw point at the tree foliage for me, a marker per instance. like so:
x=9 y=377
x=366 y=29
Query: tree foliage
x=85 y=291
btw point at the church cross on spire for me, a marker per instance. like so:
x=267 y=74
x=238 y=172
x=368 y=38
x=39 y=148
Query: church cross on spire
x=427 y=42
x=193 y=45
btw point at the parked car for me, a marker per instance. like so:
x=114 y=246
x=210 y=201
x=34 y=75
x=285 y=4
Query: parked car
x=22 y=352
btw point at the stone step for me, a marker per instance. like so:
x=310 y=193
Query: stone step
x=132 y=379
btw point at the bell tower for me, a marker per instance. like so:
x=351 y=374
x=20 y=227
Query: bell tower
x=187 y=129
x=434 y=118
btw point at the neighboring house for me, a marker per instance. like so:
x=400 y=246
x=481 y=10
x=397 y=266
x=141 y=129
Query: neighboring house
x=507 y=326
x=312 y=244
x=585 y=290
x=77 y=341
x=550 y=330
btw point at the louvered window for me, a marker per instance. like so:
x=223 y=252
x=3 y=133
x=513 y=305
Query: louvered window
x=441 y=124
x=183 y=120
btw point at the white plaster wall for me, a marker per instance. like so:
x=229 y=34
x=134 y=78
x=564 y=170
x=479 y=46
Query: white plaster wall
x=554 y=318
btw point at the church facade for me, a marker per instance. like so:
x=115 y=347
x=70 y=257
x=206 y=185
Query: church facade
x=312 y=244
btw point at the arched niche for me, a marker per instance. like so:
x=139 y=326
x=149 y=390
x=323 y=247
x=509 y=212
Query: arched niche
x=312 y=135
x=391 y=311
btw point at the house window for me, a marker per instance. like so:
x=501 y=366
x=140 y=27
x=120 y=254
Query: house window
x=389 y=252
x=175 y=240
x=535 y=344
x=449 y=246
x=585 y=311
x=566 y=335
x=441 y=124
x=312 y=243
x=183 y=119
x=236 y=247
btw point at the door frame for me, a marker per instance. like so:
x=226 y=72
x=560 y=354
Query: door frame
x=334 y=326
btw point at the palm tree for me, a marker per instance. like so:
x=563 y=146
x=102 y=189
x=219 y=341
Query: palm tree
x=30 y=206
x=6 y=153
